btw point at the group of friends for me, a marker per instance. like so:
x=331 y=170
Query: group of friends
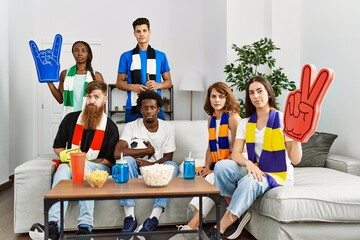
x=245 y=157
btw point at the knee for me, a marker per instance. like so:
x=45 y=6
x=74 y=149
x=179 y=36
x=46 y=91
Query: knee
x=248 y=182
x=223 y=166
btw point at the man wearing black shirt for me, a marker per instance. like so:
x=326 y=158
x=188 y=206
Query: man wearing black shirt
x=94 y=133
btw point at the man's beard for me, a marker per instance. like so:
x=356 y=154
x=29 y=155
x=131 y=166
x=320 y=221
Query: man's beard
x=91 y=116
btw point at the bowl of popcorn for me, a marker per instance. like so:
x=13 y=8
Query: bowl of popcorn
x=96 y=178
x=157 y=175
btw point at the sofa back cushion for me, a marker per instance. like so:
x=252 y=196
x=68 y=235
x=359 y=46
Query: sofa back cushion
x=316 y=149
x=190 y=136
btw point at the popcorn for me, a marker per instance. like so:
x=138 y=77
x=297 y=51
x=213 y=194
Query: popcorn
x=157 y=175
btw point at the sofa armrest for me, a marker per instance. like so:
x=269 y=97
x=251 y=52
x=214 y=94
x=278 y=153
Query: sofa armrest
x=32 y=180
x=343 y=164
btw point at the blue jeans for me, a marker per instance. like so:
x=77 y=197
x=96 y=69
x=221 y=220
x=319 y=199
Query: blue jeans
x=129 y=117
x=232 y=181
x=86 y=208
x=134 y=173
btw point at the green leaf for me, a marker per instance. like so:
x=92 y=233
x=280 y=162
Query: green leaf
x=251 y=58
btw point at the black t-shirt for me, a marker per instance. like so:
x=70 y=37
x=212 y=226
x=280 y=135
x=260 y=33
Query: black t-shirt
x=66 y=130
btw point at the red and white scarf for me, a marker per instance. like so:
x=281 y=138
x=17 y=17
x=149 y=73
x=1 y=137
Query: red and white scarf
x=97 y=141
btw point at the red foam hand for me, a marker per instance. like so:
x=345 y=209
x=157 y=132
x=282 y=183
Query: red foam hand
x=302 y=108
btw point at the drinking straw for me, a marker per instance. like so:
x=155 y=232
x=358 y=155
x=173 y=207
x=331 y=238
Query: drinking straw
x=190 y=154
x=79 y=146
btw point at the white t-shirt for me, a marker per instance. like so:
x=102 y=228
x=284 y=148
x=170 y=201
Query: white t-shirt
x=163 y=140
x=259 y=139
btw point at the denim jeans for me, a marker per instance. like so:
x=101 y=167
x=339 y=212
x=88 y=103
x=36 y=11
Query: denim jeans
x=86 y=208
x=134 y=173
x=232 y=181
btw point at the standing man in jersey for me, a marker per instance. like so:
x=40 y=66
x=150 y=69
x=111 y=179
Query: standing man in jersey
x=142 y=68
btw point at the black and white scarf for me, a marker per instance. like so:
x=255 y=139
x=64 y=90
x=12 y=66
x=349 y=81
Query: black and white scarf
x=136 y=69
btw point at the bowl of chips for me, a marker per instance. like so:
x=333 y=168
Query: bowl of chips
x=157 y=175
x=96 y=178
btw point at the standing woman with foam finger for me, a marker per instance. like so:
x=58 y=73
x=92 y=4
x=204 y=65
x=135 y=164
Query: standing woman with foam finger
x=73 y=81
x=268 y=164
x=223 y=110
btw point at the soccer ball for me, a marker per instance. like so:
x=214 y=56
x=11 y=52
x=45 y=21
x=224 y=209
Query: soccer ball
x=138 y=144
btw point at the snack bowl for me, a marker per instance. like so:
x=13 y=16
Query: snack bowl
x=157 y=175
x=96 y=178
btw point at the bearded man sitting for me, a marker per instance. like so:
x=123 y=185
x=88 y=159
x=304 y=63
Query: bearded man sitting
x=94 y=133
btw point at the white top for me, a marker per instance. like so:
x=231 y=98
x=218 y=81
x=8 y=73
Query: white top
x=79 y=80
x=163 y=140
x=259 y=139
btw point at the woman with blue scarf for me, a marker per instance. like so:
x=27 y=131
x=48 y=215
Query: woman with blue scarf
x=223 y=110
x=268 y=164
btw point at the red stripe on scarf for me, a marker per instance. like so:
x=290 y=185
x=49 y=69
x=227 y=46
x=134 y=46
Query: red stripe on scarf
x=76 y=140
x=98 y=139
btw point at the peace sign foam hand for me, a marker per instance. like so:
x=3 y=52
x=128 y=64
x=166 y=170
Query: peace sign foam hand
x=302 y=108
x=47 y=62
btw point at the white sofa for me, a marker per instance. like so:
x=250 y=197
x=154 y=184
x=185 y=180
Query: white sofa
x=323 y=204
x=33 y=180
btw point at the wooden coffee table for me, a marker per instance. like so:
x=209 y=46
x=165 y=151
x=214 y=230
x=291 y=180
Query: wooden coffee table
x=65 y=190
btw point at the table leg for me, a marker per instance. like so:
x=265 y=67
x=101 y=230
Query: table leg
x=216 y=199
x=47 y=206
x=200 y=215
x=61 y=219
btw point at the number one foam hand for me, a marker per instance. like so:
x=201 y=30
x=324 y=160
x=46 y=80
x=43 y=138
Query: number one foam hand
x=302 y=108
x=47 y=62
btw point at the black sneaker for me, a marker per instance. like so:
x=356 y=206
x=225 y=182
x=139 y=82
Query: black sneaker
x=149 y=225
x=235 y=229
x=37 y=231
x=83 y=231
x=212 y=233
x=130 y=225
x=232 y=228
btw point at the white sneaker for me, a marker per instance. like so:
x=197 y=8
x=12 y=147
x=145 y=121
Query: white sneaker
x=185 y=236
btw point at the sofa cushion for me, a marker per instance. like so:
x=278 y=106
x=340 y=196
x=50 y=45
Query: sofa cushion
x=316 y=149
x=319 y=194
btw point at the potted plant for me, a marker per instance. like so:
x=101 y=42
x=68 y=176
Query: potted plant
x=166 y=103
x=250 y=59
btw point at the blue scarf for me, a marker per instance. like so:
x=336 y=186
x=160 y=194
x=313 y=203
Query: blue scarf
x=273 y=157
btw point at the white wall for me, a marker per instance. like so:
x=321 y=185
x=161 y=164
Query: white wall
x=4 y=93
x=177 y=29
x=331 y=36
x=324 y=33
x=194 y=35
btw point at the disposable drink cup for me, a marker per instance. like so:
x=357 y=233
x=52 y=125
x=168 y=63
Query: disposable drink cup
x=78 y=166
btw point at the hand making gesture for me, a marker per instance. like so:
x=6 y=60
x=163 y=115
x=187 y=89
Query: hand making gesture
x=302 y=108
x=47 y=61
